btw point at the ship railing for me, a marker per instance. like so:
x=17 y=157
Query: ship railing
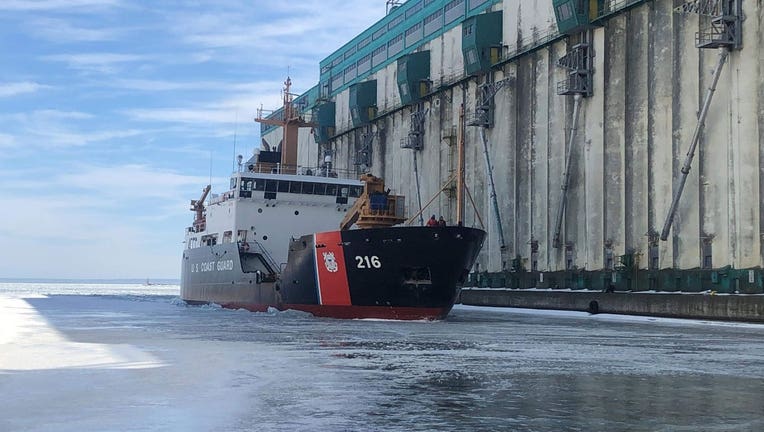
x=259 y=249
x=225 y=196
x=306 y=170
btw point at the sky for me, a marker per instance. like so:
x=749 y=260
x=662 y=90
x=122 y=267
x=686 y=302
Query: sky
x=114 y=114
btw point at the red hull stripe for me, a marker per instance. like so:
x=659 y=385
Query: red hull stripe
x=353 y=312
x=333 y=288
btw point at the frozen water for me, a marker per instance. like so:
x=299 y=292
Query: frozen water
x=138 y=359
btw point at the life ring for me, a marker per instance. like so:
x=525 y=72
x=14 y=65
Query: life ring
x=245 y=247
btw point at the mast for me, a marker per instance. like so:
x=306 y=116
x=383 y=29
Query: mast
x=460 y=167
x=290 y=121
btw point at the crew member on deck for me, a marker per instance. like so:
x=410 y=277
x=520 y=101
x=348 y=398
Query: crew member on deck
x=441 y=222
x=432 y=222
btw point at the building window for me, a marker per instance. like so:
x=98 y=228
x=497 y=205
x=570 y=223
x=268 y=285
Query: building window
x=565 y=11
x=433 y=22
x=414 y=9
x=454 y=10
x=394 y=46
x=395 y=21
x=349 y=53
x=364 y=42
x=364 y=64
x=337 y=82
x=379 y=55
x=476 y=3
x=413 y=34
x=349 y=73
x=379 y=33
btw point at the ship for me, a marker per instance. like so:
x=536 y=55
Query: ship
x=320 y=240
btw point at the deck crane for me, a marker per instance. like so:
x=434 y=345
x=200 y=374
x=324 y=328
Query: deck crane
x=376 y=207
x=198 y=206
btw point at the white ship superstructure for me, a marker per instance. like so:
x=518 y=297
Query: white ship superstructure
x=260 y=211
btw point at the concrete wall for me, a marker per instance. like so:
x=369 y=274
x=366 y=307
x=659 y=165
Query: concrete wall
x=720 y=307
x=633 y=136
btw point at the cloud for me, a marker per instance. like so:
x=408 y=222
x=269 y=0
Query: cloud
x=152 y=85
x=7 y=141
x=131 y=182
x=240 y=105
x=107 y=63
x=289 y=34
x=46 y=116
x=55 y=5
x=62 y=31
x=87 y=187
x=62 y=138
x=181 y=115
x=17 y=88
x=48 y=129
x=65 y=236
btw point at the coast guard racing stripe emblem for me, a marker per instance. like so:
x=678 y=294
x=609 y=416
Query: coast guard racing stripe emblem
x=333 y=289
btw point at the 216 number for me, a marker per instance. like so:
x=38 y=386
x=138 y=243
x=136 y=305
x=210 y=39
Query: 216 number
x=365 y=262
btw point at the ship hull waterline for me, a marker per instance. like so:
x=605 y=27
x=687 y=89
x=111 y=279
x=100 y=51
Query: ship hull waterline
x=405 y=273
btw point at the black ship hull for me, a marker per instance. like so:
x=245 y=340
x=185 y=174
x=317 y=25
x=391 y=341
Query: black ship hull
x=390 y=273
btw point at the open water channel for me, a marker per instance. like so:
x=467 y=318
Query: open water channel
x=138 y=359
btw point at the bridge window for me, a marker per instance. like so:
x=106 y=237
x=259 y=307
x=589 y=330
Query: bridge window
x=319 y=189
x=245 y=188
x=331 y=189
x=356 y=191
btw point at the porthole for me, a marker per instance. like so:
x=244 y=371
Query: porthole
x=260 y=210
x=296 y=212
x=265 y=238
